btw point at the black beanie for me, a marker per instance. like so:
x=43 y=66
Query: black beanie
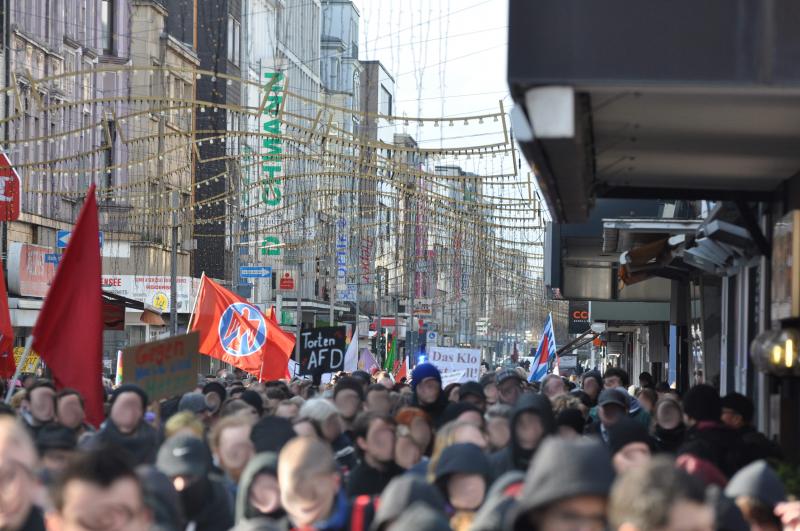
x=740 y=404
x=572 y=418
x=626 y=431
x=254 y=399
x=270 y=434
x=349 y=383
x=702 y=402
x=216 y=387
x=129 y=388
x=455 y=409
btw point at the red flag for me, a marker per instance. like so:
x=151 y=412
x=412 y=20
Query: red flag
x=7 y=365
x=400 y=370
x=69 y=331
x=236 y=332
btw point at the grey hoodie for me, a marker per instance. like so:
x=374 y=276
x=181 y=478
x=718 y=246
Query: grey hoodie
x=263 y=462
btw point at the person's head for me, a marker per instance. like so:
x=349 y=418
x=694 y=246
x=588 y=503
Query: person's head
x=399 y=498
x=462 y=476
x=451 y=392
x=419 y=424
x=69 y=408
x=183 y=422
x=553 y=385
x=231 y=444
x=378 y=399
x=56 y=445
x=287 y=409
x=385 y=379
x=702 y=403
x=757 y=489
x=592 y=384
x=462 y=412
x=407 y=452
x=615 y=377
x=375 y=437
x=348 y=395
x=647 y=398
x=668 y=413
x=612 y=405
x=565 y=487
x=194 y=403
x=309 y=480
x=259 y=492
x=532 y=420
x=498 y=426
x=128 y=404
x=489 y=383
x=737 y=411
x=570 y=423
x=325 y=415
x=646 y=381
x=98 y=490
x=215 y=394
x=426 y=382
x=39 y=401
x=509 y=386
x=472 y=393
x=454 y=433
x=659 y=497
x=186 y=461
x=17 y=480
x=630 y=444
x=237 y=406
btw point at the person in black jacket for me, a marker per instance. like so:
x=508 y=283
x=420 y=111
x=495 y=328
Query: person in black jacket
x=426 y=385
x=186 y=460
x=531 y=421
x=375 y=438
x=737 y=414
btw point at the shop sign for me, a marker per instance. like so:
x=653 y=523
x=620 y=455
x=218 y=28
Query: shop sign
x=153 y=290
x=579 y=318
x=29 y=271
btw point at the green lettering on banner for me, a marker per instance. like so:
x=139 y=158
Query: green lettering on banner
x=272 y=149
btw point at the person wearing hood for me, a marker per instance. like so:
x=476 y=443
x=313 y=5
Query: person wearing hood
x=757 y=490
x=509 y=386
x=669 y=431
x=532 y=421
x=259 y=494
x=500 y=503
x=630 y=445
x=420 y=517
x=375 y=437
x=327 y=422
x=186 y=461
x=426 y=386
x=707 y=437
x=310 y=486
x=592 y=384
x=402 y=492
x=658 y=496
x=126 y=427
x=567 y=483
x=162 y=499
x=463 y=477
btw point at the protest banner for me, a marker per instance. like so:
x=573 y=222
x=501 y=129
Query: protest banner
x=454 y=359
x=322 y=350
x=163 y=368
x=30 y=364
x=452 y=377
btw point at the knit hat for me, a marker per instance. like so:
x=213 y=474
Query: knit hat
x=183 y=455
x=348 y=382
x=270 y=434
x=740 y=404
x=626 y=431
x=55 y=437
x=471 y=388
x=194 y=402
x=506 y=374
x=702 y=402
x=757 y=480
x=254 y=399
x=422 y=371
x=564 y=469
x=455 y=409
x=462 y=458
x=129 y=388
x=571 y=418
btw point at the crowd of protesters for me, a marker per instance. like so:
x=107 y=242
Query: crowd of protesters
x=368 y=453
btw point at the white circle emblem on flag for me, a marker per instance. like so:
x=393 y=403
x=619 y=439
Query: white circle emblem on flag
x=242 y=329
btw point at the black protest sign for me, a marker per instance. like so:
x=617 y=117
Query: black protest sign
x=322 y=350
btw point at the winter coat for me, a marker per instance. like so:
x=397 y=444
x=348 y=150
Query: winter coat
x=142 y=444
x=715 y=442
x=364 y=479
x=513 y=457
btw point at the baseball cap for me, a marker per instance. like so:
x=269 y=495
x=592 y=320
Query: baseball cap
x=194 y=402
x=613 y=396
x=184 y=455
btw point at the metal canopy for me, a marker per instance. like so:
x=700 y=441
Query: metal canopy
x=679 y=99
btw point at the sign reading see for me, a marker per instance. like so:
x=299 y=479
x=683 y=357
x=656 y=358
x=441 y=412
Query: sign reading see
x=579 y=318
x=322 y=349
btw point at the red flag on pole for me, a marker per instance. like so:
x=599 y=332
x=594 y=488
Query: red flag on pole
x=7 y=366
x=236 y=332
x=69 y=331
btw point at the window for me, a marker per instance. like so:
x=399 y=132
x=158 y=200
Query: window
x=386 y=101
x=233 y=40
x=109 y=137
x=107 y=26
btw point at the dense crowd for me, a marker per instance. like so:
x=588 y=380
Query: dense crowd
x=368 y=453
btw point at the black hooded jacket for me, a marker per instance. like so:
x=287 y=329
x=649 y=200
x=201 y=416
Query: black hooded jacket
x=141 y=445
x=435 y=410
x=513 y=457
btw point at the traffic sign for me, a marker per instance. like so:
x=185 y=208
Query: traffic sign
x=9 y=190
x=287 y=282
x=52 y=258
x=432 y=337
x=63 y=236
x=255 y=271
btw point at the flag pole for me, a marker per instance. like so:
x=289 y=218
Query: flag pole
x=22 y=361
x=194 y=306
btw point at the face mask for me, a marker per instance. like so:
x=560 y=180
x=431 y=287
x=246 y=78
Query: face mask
x=195 y=497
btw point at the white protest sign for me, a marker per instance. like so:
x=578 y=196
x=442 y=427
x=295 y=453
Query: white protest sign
x=451 y=377
x=454 y=359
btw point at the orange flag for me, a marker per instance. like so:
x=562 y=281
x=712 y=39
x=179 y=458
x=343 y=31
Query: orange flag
x=235 y=331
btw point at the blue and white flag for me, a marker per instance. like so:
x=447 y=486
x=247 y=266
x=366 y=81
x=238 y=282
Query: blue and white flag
x=544 y=353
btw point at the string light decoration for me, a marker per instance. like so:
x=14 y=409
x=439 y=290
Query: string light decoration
x=455 y=223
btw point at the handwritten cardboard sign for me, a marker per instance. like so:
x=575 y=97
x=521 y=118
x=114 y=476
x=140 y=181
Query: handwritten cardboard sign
x=163 y=368
x=322 y=349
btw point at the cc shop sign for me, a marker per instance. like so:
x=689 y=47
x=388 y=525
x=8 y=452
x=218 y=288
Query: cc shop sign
x=579 y=318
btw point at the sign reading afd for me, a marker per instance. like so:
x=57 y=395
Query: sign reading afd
x=322 y=349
